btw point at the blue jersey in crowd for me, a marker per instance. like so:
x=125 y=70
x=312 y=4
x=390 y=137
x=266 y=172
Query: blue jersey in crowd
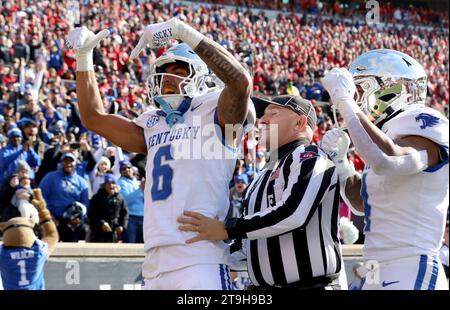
x=133 y=195
x=60 y=190
x=23 y=268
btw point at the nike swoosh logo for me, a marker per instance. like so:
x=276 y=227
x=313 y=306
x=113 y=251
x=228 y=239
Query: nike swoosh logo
x=195 y=108
x=388 y=283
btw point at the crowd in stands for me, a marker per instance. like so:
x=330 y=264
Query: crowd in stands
x=389 y=13
x=83 y=177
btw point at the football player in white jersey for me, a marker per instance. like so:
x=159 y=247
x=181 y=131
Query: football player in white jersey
x=190 y=153
x=404 y=188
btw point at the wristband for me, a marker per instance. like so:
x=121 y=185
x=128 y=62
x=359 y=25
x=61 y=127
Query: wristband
x=85 y=61
x=188 y=34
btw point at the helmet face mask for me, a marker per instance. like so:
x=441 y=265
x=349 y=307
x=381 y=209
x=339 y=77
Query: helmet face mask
x=186 y=85
x=194 y=84
x=386 y=82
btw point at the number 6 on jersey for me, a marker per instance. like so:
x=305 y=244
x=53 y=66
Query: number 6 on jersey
x=162 y=174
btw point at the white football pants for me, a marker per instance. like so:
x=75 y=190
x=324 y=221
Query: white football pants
x=194 y=277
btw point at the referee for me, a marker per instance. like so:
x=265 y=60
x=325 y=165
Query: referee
x=290 y=220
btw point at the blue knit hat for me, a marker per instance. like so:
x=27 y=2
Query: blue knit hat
x=109 y=178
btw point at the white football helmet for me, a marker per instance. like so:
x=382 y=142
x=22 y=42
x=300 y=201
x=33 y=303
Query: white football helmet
x=192 y=85
x=386 y=81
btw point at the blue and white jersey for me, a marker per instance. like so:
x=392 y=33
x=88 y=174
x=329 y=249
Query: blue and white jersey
x=23 y=268
x=405 y=214
x=189 y=168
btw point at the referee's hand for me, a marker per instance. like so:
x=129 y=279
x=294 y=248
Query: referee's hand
x=207 y=228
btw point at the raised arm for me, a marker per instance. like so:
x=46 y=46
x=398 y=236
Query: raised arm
x=38 y=80
x=119 y=130
x=233 y=102
x=406 y=156
x=403 y=156
x=336 y=144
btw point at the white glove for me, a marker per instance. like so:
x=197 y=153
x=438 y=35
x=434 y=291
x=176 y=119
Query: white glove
x=160 y=34
x=349 y=232
x=336 y=143
x=339 y=84
x=83 y=41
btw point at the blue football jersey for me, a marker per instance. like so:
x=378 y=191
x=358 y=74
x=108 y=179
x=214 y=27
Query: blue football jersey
x=23 y=268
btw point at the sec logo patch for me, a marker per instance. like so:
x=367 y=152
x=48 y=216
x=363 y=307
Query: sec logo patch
x=152 y=121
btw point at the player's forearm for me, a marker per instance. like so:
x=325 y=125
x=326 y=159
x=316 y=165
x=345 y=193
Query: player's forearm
x=386 y=145
x=233 y=101
x=224 y=65
x=381 y=153
x=89 y=100
x=352 y=194
x=365 y=135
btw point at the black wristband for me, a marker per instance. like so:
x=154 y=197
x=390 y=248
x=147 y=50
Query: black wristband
x=235 y=229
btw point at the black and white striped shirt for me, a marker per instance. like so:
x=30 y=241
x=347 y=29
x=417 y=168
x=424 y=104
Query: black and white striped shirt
x=291 y=220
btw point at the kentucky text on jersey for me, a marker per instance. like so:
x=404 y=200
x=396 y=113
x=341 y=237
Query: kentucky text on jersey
x=185 y=133
x=197 y=141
